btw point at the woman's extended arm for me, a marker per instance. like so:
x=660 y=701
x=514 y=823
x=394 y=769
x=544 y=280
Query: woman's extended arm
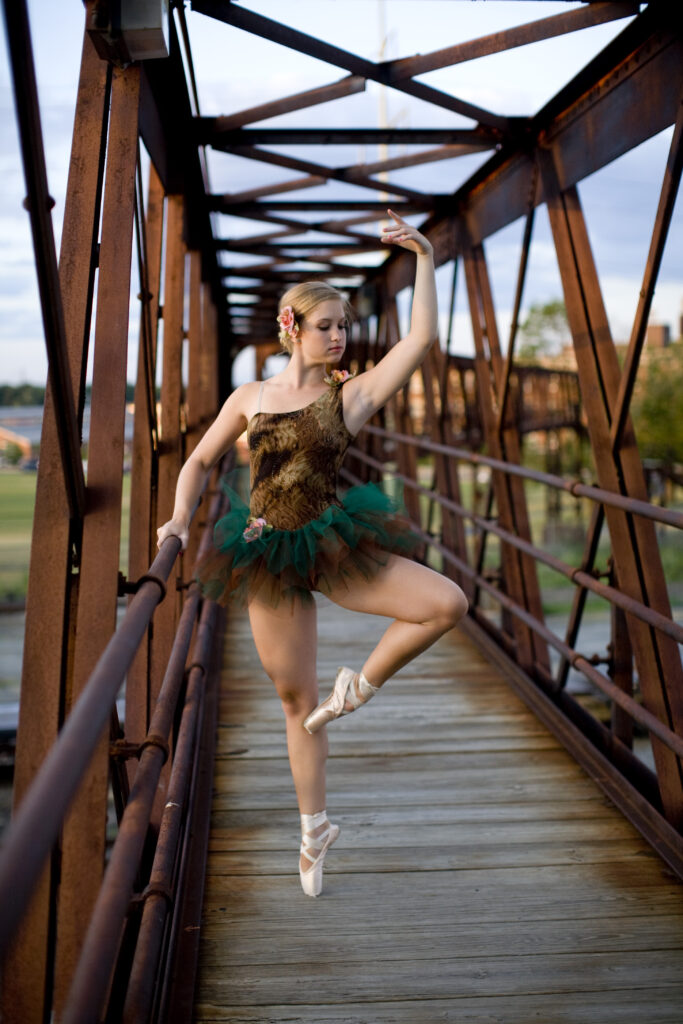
x=221 y=435
x=370 y=390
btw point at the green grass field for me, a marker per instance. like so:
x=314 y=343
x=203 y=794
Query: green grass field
x=564 y=539
x=17 y=499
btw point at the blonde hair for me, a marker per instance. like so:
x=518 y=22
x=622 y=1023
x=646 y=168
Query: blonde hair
x=303 y=298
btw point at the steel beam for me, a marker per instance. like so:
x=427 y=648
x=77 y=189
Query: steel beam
x=509 y=38
x=240 y=17
x=298 y=101
x=27 y=976
x=83 y=841
x=142 y=536
x=213 y=134
x=634 y=542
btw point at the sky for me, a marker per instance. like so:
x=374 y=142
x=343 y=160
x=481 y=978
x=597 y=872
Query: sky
x=236 y=70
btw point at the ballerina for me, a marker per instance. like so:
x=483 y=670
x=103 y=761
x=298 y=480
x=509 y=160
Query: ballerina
x=297 y=536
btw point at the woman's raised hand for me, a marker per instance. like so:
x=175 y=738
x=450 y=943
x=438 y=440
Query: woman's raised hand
x=406 y=236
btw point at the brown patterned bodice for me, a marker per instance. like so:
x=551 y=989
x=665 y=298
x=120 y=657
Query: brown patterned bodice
x=295 y=459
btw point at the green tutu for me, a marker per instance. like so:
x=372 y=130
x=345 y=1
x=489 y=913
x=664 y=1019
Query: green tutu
x=347 y=542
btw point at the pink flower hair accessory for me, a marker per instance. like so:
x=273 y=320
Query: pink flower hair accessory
x=289 y=328
x=255 y=528
x=337 y=377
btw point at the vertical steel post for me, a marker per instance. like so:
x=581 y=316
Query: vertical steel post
x=84 y=832
x=142 y=530
x=635 y=549
x=27 y=976
x=520 y=574
x=170 y=442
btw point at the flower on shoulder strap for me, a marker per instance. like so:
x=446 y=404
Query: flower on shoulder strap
x=337 y=377
x=255 y=528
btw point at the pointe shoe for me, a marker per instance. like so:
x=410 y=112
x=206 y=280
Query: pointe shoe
x=314 y=848
x=344 y=693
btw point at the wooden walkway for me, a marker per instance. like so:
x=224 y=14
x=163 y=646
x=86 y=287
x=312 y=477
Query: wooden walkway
x=480 y=875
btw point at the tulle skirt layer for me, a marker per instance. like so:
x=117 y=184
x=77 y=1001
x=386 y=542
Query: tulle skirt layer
x=343 y=544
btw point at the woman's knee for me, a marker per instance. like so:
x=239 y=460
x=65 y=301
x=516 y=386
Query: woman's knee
x=450 y=604
x=296 y=700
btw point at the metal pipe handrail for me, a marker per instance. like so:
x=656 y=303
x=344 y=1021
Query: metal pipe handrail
x=92 y=975
x=574 y=487
x=36 y=825
x=579 y=576
x=156 y=906
x=637 y=711
x=89 y=985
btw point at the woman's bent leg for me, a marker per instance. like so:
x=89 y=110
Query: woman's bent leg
x=423 y=603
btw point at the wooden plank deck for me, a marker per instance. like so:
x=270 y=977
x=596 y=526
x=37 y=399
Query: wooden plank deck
x=480 y=875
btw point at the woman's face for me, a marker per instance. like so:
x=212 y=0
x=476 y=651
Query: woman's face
x=323 y=332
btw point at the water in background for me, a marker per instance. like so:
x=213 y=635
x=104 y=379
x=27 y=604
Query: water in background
x=27 y=421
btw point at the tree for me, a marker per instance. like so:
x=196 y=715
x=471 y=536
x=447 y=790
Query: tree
x=657 y=409
x=544 y=331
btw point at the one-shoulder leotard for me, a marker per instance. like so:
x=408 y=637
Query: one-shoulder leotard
x=297 y=536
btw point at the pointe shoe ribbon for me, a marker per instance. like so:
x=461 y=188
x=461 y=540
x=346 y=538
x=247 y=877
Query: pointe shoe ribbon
x=343 y=693
x=313 y=849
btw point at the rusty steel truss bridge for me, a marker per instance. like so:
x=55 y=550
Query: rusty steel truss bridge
x=140 y=219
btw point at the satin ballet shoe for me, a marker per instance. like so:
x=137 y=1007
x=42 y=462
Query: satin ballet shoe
x=313 y=849
x=344 y=693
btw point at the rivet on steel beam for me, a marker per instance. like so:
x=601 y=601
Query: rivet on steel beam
x=153 y=739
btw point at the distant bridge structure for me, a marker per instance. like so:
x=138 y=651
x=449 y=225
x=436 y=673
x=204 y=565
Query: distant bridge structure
x=92 y=931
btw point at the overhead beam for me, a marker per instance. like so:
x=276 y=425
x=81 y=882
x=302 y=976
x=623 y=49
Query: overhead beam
x=341 y=205
x=240 y=17
x=427 y=156
x=334 y=173
x=209 y=134
x=508 y=39
x=233 y=198
x=297 y=101
x=272 y=248
x=626 y=95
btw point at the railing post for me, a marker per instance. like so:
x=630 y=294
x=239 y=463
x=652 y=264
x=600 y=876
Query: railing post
x=520 y=575
x=194 y=404
x=170 y=442
x=142 y=534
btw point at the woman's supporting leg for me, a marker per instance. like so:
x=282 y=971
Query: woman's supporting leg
x=423 y=603
x=286 y=642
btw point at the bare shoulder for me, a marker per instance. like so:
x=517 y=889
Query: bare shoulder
x=245 y=398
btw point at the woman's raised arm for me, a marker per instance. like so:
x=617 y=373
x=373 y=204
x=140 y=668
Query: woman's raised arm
x=369 y=391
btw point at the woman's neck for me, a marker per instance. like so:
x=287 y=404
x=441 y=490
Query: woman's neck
x=302 y=377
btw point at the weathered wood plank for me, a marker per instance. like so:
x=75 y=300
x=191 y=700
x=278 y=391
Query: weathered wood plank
x=480 y=875
x=635 y=1006
x=460 y=938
